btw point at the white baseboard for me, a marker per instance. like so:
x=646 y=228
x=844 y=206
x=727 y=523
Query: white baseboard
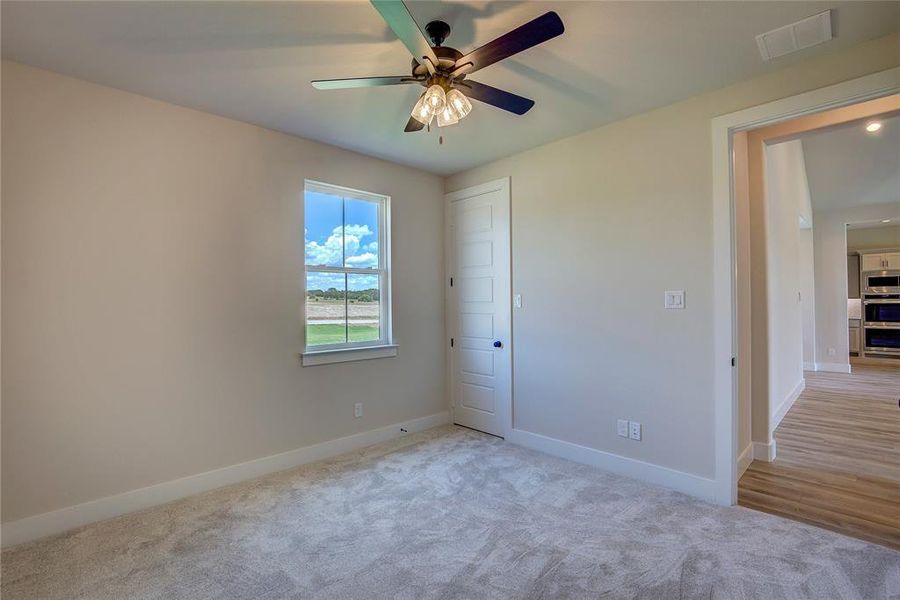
x=57 y=521
x=810 y=366
x=833 y=367
x=693 y=485
x=765 y=452
x=744 y=460
x=786 y=404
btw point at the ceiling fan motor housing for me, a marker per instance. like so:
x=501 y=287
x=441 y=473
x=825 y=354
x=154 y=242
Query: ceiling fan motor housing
x=447 y=58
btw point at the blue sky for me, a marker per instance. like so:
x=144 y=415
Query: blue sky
x=328 y=244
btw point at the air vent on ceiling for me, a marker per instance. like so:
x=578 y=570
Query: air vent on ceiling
x=796 y=36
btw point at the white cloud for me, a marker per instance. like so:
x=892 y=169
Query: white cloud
x=366 y=259
x=331 y=252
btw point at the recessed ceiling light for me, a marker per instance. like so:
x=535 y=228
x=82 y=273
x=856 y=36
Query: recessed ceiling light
x=885 y=220
x=873 y=126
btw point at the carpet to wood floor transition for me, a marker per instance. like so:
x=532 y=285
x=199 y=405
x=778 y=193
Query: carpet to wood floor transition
x=838 y=456
x=449 y=513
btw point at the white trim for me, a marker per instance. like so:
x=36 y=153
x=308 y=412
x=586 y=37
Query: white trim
x=744 y=459
x=687 y=483
x=763 y=451
x=786 y=404
x=724 y=257
x=58 y=521
x=810 y=366
x=502 y=184
x=833 y=367
x=339 y=355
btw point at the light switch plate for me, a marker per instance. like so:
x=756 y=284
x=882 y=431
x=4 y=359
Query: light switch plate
x=517 y=300
x=634 y=430
x=622 y=428
x=674 y=299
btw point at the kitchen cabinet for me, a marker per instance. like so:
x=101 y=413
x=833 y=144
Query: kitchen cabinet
x=892 y=260
x=881 y=261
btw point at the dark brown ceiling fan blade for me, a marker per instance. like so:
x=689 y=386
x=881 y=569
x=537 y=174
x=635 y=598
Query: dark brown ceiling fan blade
x=362 y=82
x=495 y=97
x=414 y=125
x=535 y=32
x=397 y=16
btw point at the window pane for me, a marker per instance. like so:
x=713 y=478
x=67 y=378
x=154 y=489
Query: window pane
x=361 y=233
x=363 y=308
x=323 y=217
x=326 y=321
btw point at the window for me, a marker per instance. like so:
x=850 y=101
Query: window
x=347 y=273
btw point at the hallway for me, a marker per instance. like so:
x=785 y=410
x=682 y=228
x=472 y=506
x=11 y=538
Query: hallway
x=838 y=457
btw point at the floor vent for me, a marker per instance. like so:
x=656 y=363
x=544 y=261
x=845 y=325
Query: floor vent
x=795 y=36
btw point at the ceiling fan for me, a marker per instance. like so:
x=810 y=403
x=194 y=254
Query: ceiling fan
x=442 y=70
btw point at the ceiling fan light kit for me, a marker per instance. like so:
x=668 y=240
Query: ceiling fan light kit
x=443 y=70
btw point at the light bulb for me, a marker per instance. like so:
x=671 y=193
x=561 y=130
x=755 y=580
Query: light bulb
x=459 y=103
x=435 y=98
x=446 y=117
x=873 y=126
x=422 y=112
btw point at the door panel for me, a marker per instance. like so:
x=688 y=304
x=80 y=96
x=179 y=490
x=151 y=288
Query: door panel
x=479 y=307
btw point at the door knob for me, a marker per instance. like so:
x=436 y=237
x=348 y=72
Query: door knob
x=498 y=344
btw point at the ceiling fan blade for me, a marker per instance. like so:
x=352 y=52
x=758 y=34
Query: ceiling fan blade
x=397 y=16
x=362 y=82
x=535 y=32
x=495 y=97
x=414 y=125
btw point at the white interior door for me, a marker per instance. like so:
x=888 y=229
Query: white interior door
x=478 y=317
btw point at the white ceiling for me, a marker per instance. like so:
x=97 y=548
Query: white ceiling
x=253 y=61
x=848 y=167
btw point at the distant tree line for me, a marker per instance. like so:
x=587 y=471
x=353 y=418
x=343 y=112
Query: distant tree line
x=369 y=295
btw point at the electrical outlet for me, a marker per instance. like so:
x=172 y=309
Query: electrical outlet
x=622 y=428
x=357 y=410
x=517 y=300
x=634 y=430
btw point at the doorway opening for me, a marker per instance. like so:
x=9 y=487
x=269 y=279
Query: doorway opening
x=817 y=320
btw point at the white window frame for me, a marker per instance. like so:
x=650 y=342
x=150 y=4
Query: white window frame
x=351 y=351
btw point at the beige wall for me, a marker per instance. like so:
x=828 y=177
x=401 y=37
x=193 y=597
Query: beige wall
x=602 y=224
x=787 y=198
x=874 y=237
x=808 y=296
x=152 y=258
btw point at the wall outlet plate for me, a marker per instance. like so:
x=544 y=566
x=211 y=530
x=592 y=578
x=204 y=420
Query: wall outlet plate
x=634 y=430
x=622 y=428
x=674 y=299
x=357 y=410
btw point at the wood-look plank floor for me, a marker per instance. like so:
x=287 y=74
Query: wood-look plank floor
x=838 y=457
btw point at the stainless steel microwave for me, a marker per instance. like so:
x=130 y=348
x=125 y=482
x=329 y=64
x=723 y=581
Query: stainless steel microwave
x=882 y=282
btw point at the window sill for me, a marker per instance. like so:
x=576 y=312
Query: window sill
x=327 y=357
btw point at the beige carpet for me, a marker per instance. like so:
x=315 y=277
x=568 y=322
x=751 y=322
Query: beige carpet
x=448 y=514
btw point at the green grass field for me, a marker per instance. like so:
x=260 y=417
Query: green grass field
x=317 y=335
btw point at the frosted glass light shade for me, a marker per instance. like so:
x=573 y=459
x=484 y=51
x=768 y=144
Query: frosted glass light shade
x=435 y=98
x=446 y=117
x=422 y=112
x=459 y=103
